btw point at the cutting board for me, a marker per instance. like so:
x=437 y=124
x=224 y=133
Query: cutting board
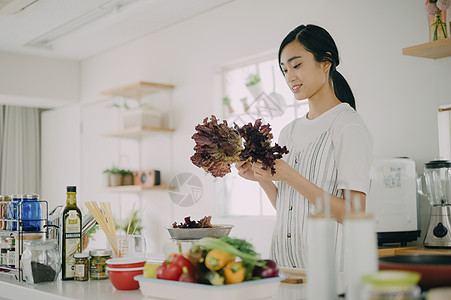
x=295 y=276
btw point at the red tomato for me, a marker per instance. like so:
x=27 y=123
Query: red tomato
x=169 y=271
x=181 y=261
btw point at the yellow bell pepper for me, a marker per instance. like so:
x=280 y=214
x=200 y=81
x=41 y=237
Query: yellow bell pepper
x=234 y=272
x=217 y=259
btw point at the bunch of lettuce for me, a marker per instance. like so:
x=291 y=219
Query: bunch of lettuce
x=257 y=145
x=218 y=146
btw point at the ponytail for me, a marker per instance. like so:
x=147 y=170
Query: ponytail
x=320 y=43
x=342 y=89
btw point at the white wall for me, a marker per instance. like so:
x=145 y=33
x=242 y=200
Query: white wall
x=61 y=152
x=27 y=80
x=396 y=95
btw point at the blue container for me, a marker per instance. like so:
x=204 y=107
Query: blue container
x=13 y=213
x=31 y=213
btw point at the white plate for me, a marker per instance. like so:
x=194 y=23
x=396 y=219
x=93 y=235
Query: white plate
x=167 y=289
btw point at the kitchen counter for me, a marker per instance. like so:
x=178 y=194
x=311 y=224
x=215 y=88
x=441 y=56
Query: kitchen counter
x=412 y=250
x=64 y=290
x=99 y=289
x=103 y=289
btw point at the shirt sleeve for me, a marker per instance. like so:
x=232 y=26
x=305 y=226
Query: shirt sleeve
x=354 y=154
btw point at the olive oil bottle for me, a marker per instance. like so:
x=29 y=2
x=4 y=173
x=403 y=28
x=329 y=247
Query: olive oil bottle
x=71 y=234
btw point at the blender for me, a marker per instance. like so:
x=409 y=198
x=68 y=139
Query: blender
x=437 y=177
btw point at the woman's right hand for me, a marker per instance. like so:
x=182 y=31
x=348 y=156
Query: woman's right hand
x=245 y=170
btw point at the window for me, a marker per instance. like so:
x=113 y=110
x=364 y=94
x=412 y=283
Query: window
x=273 y=102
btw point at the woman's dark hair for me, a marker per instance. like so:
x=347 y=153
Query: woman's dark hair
x=320 y=43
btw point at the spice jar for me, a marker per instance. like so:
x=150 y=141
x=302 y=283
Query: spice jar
x=391 y=285
x=3 y=251
x=81 y=266
x=11 y=252
x=98 y=263
x=41 y=262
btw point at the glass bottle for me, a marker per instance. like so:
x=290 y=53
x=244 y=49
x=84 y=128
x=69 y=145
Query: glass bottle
x=71 y=234
x=438 y=28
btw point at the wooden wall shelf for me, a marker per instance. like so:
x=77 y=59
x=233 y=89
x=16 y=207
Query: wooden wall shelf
x=435 y=49
x=136 y=188
x=138 y=89
x=136 y=132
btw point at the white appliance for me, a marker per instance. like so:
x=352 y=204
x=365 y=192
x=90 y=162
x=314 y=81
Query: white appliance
x=392 y=200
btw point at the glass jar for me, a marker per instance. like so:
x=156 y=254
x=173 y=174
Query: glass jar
x=81 y=266
x=98 y=263
x=41 y=262
x=5 y=201
x=12 y=212
x=31 y=213
x=11 y=252
x=391 y=285
x=3 y=251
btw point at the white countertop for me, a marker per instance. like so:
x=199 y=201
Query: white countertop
x=10 y=288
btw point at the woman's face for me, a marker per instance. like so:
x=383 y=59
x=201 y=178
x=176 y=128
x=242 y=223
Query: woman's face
x=303 y=74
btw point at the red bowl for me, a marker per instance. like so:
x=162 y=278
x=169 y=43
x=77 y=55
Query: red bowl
x=435 y=270
x=123 y=279
x=126 y=262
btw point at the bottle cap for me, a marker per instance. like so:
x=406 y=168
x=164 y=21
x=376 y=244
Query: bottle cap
x=71 y=189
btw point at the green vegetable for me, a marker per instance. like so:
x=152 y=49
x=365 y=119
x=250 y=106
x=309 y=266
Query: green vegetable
x=234 y=246
x=214 y=278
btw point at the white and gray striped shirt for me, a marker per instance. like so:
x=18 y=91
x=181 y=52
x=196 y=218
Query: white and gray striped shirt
x=334 y=152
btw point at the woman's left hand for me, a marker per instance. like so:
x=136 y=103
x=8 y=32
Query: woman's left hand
x=282 y=168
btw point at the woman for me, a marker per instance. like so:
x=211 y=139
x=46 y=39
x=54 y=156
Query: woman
x=330 y=148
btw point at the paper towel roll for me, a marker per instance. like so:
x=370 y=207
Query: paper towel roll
x=360 y=251
x=321 y=272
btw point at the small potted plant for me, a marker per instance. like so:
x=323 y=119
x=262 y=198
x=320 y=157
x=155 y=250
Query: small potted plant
x=127 y=177
x=254 y=85
x=107 y=173
x=113 y=176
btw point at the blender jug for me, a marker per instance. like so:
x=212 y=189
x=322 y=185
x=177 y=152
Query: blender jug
x=437 y=177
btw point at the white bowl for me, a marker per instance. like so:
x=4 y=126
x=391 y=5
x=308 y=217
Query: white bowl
x=168 y=289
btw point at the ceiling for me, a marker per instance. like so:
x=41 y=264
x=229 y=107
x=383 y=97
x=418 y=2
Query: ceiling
x=79 y=29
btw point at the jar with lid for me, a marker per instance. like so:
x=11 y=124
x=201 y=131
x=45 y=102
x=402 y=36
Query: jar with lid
x=12 y=212
x=391 y=285
x=41 y=262
x=1 y=211
x=31 y=213
x=98 y=263
x=5 y=201
x=11 y=252
x=81 y=266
